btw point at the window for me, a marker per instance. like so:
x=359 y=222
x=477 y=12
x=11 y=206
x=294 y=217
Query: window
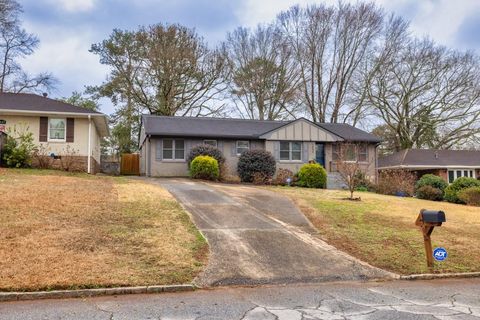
x=212 y=143
x=455 y=174
x=351 y=152
x=290 y=151
x=173 y=149
x=56 y=129
x=242 y=146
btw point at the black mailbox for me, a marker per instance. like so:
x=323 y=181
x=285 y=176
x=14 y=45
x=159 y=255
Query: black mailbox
x=433 y=216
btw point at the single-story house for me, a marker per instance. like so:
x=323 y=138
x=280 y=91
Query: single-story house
x=166 y=141
x=62 y=128
x=448 y=164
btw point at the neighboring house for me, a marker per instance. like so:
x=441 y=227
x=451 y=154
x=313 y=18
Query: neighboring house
x=448 y=164
x=63 y=129
x=166 y=141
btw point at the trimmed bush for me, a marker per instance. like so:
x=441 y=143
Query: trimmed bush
x=204 y=167
x=470 y=196
x=432 y=181
x=312 y=175
x=256 y=161
x=206 y=150
x=428 y=192
x=451 y=192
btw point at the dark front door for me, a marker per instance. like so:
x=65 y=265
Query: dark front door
x=320 y=153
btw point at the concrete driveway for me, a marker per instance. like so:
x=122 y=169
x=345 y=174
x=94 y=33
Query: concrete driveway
x=257 y=237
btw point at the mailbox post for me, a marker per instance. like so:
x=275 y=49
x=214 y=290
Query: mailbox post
x=427 y=220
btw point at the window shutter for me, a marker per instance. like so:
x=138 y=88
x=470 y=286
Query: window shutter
x=220 y=145
x=70 y=129
x=43 y=134
x=158 y=150
x=233 y=151
x=276 y=150
x=305 y=152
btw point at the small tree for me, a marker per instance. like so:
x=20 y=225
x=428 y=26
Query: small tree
x=19 y=147
x=349 y=167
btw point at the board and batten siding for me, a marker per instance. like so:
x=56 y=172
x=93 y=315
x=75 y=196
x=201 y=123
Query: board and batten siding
x=301 y=130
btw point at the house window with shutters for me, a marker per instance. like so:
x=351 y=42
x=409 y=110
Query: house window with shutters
x=290 y=151
x=173 y=149
x=57 y=129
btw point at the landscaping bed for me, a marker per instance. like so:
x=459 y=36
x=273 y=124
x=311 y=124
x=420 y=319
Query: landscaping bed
x=64 y=231
x=381 y=229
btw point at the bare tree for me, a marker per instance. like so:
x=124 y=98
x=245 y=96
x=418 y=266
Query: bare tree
x=15 y=44
x=330 y=44
x=165 y=69
x=427 y=95
x=264 y=80
x=350 y=169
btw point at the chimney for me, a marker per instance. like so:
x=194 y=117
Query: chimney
x=45 y=94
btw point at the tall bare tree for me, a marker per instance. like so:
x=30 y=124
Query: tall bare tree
x=330 y=44
x=165 y=69
x=16 y=43
x=426 y=94
x=264 y=81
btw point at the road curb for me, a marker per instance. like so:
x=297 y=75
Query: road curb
x=83 y=293
x=431 y=276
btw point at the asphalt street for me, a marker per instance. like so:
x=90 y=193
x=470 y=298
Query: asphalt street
x=434 y=299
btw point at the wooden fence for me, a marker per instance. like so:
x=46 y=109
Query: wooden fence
x=130 y=164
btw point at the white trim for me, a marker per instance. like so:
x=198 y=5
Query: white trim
x=290 y=150
x=89 y=148
x=64 y=134
x=236 y=146
x=173 y=159
x=462 y=171
x=211 y=140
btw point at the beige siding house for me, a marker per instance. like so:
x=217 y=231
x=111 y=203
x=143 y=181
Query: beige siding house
x=62 y=129
x=166 y=141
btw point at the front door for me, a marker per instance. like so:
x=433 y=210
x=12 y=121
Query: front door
x=320 y=153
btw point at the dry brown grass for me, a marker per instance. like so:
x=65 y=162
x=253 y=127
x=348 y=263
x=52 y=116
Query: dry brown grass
x=381 y=229
x=78 y=231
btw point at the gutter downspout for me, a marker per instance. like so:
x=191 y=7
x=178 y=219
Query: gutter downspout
x=149 y=158
x=89 y=144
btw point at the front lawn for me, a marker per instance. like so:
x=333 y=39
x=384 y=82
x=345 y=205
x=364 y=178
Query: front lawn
x=381 y=229
x=60 y=230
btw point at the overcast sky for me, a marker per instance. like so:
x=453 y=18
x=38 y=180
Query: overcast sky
x=67 y=28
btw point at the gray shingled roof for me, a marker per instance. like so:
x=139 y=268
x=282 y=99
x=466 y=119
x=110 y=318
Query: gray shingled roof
x=33 y=102
x=423 y=158
x=236 y=128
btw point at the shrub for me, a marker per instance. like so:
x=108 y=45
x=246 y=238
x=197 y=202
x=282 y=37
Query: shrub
x=432 y=181
x=41 y=157
x=428 y=192
x=451 y=192
x=206 y=150
x=69 y=160
x=312 y=175
x=18 y=148
x=470 y=196
x=396 y=182
x=282 y=176
x=204 y=167
x=252 y=161
x=259 y=178
x=362 y=189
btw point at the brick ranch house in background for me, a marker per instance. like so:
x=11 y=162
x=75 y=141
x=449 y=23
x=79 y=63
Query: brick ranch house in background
x=448 y=164
x=57 y=125
x=166 y=141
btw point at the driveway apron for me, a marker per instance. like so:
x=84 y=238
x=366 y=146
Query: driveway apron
x=260 y=237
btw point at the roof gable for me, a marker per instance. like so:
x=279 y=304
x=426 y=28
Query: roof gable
x=300 y=130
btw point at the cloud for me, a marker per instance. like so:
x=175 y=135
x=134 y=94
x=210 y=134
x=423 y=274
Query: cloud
x=74 y=5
